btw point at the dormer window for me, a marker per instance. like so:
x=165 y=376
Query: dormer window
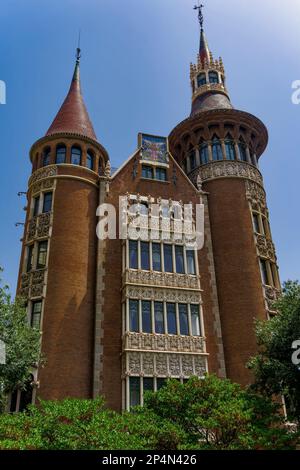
x=213 y=77
x=201 y=79
x=76 y=155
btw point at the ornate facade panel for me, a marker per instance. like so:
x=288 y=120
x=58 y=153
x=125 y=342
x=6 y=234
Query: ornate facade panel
x=42 y=173
x=265 y=247
x=32 y=284
x=39 y=226
x=227 y=169
x=255 y=194
x=161 y=279
x=162 y=295
x=156 y=342
x=271 y=295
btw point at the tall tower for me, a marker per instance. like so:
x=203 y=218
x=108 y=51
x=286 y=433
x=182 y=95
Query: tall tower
x=219 y=148
x=58 y=263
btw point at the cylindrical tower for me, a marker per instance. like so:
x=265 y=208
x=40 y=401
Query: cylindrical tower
x=58 y=263
x=219 y=148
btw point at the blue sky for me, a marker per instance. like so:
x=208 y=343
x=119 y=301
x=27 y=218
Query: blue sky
x=135 y=77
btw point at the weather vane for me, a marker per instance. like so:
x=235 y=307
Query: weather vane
x=199 y=7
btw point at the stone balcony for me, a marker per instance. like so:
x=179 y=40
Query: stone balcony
x=39 y=226
x=32 y=284
x=149 y=342
x=153 y=278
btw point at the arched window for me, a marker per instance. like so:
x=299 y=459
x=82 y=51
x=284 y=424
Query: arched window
x=217 y=153
x=46 y=156
x=76 y=155
x=192 y=156
x=90 y=160
x=213 y=77
x=203 y=153
x=230 y=148
x=60 y=154
x=252 y=157
x=243 y=150
x=201 y=79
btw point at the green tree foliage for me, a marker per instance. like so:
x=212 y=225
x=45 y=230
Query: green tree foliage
x=274 y=370
x=22 y=344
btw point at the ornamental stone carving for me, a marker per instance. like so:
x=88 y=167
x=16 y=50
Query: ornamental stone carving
x=148 y=364
x=200 y=364
x=161 y=279
x=156 y=342
x=162 y=295
x=227 y=169
x=32 y=284
x=255 y=194
x=174 y=365
x=135 y=364
x=42 y=173
x=39 y=226
x=187 y=366
x=42 y=185
x=271 y=295
x=161 y=364
x=265 y=247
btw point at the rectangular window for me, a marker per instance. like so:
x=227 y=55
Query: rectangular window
x=160 y=382
x=148 y=384
x=195 y=317
x=256 y=222
x=29 y=258
x=159 y=317
x=179 y=259
x=146 y=317
x=36 y=206
x=134 y=316
x=190 y=261
x=135 y=391
x=266 y=226
x=192 y=160
x=36 y=311
x=42 y=254
x=47 y=204
x=145 y=256
x=147 y=172
x=183 y=319
x=168 y=258
x=264 y=272
x=156 y=256
x=133 y=254
x=161 y=174
x=171 y=318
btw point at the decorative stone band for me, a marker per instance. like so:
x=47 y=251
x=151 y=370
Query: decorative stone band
x=163 y=365
x=271 y=295
x=32 y=284
x=265 y=248
x=42 y=173
x=39 y=226
x=226 y=169
x=210 y=87
x=151 y=278
x=167 y=343
x=256 y=194
x=162 y=294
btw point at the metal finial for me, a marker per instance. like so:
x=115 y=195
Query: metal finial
x=78 y=50
x=200 y=7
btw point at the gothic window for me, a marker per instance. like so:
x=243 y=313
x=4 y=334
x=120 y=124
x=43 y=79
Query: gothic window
x=243 y=150
x=147 y=172
x=213 y=77
x=230 y=148
x=47 y=203
x=36 y=206
x=46 y=156
x=183 y=319
x=264 y=272
x=168 y=258
x=146 y=317
x=190 y=261
x=133 y=254
x=217 y=153
x=134 y=390
x=36 y=310
x=201 y=79
x=159 y=317
x=252 y=157
x=171 y=319
x=134 y=316
x=179 y=259
x=161 y=174
x=60 y=154
x=76 y=155
x=145 y=256
x=42 y=254
x=195 y=320
x=256 y=225
x=90 y=160
x=204 y=153
x=29 y=264
x=266 y=226
x=192 y=160
x=156 y=256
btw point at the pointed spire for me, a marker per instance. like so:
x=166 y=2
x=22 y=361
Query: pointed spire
x=204 y=53
x=73 y=118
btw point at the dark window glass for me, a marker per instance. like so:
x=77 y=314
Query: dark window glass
x=193 y=160
x=146 y=317
x=135 y=390
x=46 y=156
x=266 y=226
x=42 y=254
x=133 y=254
x=195 y=319
x=156 y=256
x=252 y=158
x=264 y=272
x=201 y=79
x=159 y=317
x=171 y=318
x=243 y=152
x=217 y=153
x=36 y=206
x=13 y=401
x=168 y=258
x=36 y=311
x=60 y=154
x=47 y=203
x=161 y=174
x=213 y=77
x=148 y=384
x=147 y=172
x=134 y=316
x=26 y=395
x=190 y=261
x=89 y=160
x=160 y=382
x=76 y=155
x=179 y=259
x=204 y=154
x=145 y=257
x=29 y=258
x=230 y=149
x=183 y=319
x=256 y=222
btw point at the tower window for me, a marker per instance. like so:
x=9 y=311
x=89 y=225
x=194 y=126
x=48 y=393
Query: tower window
x=60 y=154
x=217 y=153
x=134 y=316
x=90 y=160
x=36 y=206
x=183 y=319
x=195 y=320
x=168 y=258
x=133 y=254
x=243 y=151
x=230 y=148
x=264 y=271
x=179 y=259
x=171 y=318
x=145 y=256
x=42 y=254
x=213 y=77
x=36 y=310
x=252 y=157
x=76 y=155
x=146 y=317
x=47 y=204
x=201 y=79
x=159 y=317
x=161 y=174
x=46 y=156
x=190 y=261
x=147 y=172
x=192 y=160
x=29 y=263
x=204 y=154
x=256 y=222
x=156 y=256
